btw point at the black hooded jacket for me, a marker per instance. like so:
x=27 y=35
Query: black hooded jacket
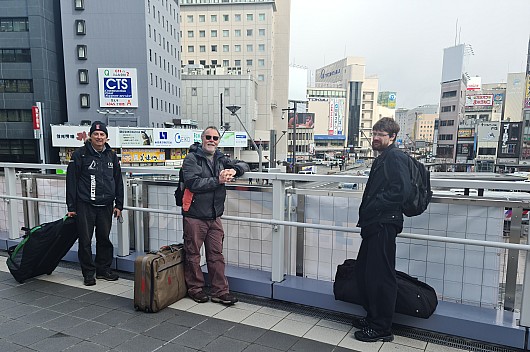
x=386 y=189
x=94 y=178
x=203 y=181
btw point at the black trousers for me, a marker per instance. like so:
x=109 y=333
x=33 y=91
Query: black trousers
x=88 y=217
x=376 y=268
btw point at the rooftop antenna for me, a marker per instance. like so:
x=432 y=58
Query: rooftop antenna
x=456 y=30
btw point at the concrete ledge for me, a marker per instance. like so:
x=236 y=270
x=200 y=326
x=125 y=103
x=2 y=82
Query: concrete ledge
x=249 y=281
x=482 y=324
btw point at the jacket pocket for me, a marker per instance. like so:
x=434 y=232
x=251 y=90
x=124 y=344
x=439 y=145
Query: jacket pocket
x=187 y=199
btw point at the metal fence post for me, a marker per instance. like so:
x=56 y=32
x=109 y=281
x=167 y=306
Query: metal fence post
x=278 y=233
x=12 y=209
x=123 y=227
x=513 y=259
x=524 y=319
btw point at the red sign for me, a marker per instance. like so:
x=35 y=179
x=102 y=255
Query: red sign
x=36 y=117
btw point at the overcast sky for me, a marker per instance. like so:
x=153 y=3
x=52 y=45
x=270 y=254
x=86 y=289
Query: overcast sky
x=403 y=40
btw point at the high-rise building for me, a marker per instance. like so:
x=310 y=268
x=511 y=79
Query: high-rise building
x=243 y=37
x=31 y=71
x=122 y=61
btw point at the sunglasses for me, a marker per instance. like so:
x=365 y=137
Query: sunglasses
x=208 y=137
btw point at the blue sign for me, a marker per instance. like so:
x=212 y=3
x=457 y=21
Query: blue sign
x=163 y=135
x=117 y=87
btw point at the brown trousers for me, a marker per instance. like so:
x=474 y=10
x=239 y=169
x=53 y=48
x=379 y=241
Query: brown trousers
x=211 y=233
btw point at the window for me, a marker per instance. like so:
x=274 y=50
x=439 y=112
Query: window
x=190 y=18
x=237 y=17
x=80 y=28
x=214 y=62
x=15 y=55
x=261 y=47
x=249 y=62
x=226 y=63
x=449 y=94
x=261 y=78
x=82 y=74
x=202 y=62
x=237 y=63
x=193 y=91
x=261 y=17
x=226 y=48
x=191 y=49
x=446 y=109
x=237 y=48
x=226 y=18
x=202 y=34
x=202 y=18
x=226 y=33
x=213 y=18
x=84 y=100
x=202 y=48
x=190 y=34
x=237 y=32
x=82 y=52
x=249 y=32
x=250 y=48
x=15 y=24
x=250 y=17
x=79 y=4
x=214 y=48
x=261 y=62
x=261 y=32
x=15 y=115
x=487 y=151
x=213 y=33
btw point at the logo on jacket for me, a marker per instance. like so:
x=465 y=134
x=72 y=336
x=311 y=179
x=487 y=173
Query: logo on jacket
x=92 y=165
x=110 y=165
x=92 y=187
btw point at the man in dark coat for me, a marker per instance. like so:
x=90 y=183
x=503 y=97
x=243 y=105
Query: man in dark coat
x=381 y=220
x=206 y=171
x=94 y=191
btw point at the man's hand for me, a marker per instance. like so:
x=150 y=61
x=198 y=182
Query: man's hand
x=117 y=212
x=71 y=214
x=226 y=175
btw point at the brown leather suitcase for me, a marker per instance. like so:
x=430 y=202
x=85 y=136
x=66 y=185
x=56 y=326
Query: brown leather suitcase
x=159 y=278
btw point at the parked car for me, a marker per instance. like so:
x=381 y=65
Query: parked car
x=347 y=185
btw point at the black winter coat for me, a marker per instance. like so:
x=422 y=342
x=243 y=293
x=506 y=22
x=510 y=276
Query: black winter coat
x=203 y=181
x=386 y=189
x=94 y=178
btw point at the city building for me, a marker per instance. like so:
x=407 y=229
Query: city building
x=243 y=37
x=31 y=71
x=122 y=62
x=525 y=149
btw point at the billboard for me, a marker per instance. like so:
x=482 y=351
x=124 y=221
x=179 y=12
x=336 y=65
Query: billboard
x=233 y=139
x=387 y=99
x=76 y=136
x=297 y=84
x=303 y=120
x=466 y=133
x=453 y=63
x=337 y=107
x=143 y=156
x=175 y=138
x=474 y=83
x=117 y=88
x=527 y=93
x=510 y=140
x=479 y=100
x=488 y=132
x=136 y=137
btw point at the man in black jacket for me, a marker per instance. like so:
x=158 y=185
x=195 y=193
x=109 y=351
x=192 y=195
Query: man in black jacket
x=94 y=191
x=380 y=220
x=206 y=171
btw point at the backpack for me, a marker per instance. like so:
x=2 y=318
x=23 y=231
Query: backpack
x=179 y=192
x=420 y=195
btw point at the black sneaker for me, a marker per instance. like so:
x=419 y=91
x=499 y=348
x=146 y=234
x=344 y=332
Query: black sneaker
x=370 y=335
x=108 y=275
x=360 y=323
x=199 y=297
x=89 y=281
x=227 y=299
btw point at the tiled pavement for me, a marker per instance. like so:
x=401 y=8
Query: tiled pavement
x=57 y=313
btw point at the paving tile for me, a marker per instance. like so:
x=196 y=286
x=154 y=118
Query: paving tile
x=260 y=348
x=13 y=292
x=116 y=302
x=70 y=292
x=112 y=337
x=292 y=327
x=326 y=335
x=260 y=320
x=245 y=332
x=30 y=336
x=54 y=343
x=19 y=311
x=215 y=326
x=47 y=301
x=85 y=346
x=273 y=312
x=407 y=341
x=186 y=319
x=40 y=316
x=304 y=345
x=139 y=343
x=6 y=346
x=342 y=349
x=8 y=304
x=114 y=318
x=194 y=339
x=28 y=297
x=93 y=297
x=170 y=347
x=277 y=340
x=208 y=309
x=303 y=318
x=183 y=304
x=89 y=312
x=334 y=325
x=226 y=345
x=432 y=347
x=11 y=327
x=233 y=314
x=351 y=343
x=393 y=347
x=86 y=330
x=165 y=331
x=67 y=306
x=62 y=323
x=139 y=324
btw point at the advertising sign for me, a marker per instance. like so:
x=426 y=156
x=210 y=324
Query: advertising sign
x=76 y=136
x=474 y=83
x=337 y=107
x=143 y=156
x=488 y=132
x=175 y=138
x=527 y=94
x=136 y=137
x=303 y=120
x=479 y=100
x=233 y=139
x=465 y=133
x=117 y=88
x=510 y=140
x=35 y=112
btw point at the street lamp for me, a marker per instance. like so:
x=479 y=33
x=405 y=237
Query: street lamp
x=233 y=109
x=293 y=109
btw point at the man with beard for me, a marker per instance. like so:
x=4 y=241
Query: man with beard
x=381 y=220
x=206 y=171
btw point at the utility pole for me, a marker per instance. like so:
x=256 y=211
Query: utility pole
x=295 y=118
